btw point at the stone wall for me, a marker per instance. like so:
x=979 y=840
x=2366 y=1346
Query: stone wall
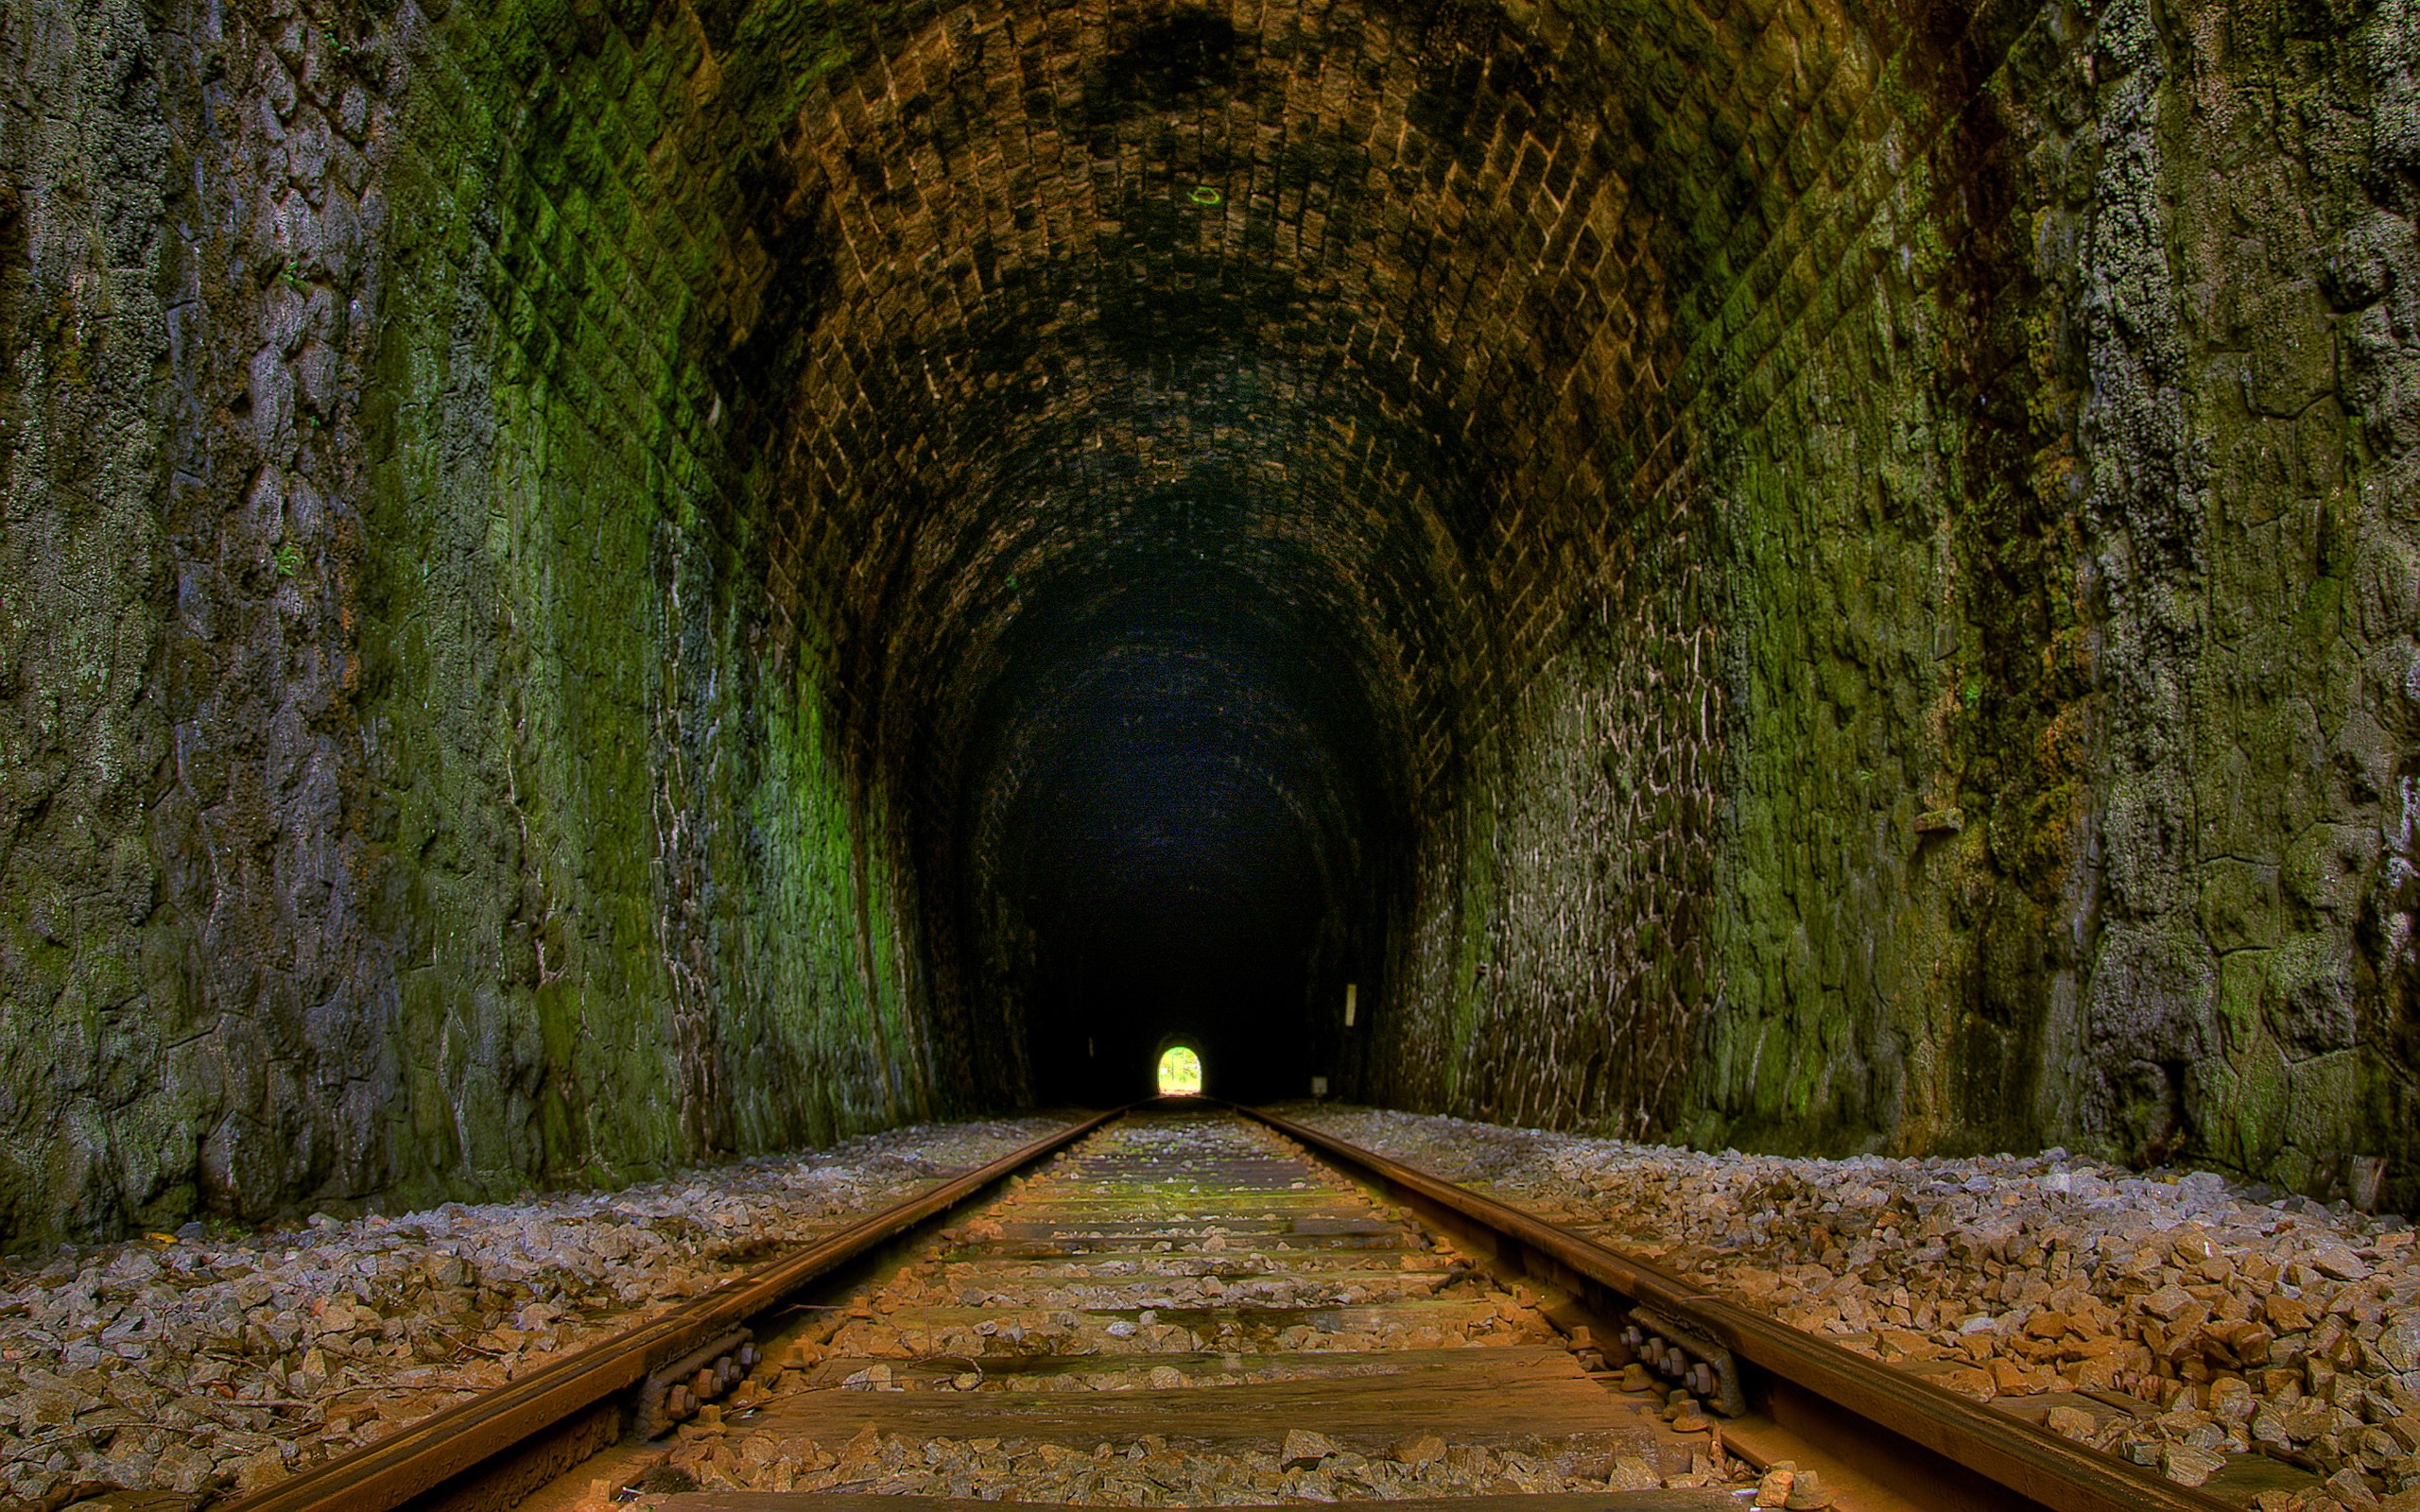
x=85 y=593
x=408 y=796
x=1558 y=966
x=2097 y=600
x=2048 y=397
x=1866 y=549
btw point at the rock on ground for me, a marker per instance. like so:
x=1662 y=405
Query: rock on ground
x=1150 y=1473
x=201 y=1363
x=2251 y=1324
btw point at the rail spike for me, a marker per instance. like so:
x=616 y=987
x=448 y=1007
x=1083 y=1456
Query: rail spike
x=696 y=1370
x=1727 y=1397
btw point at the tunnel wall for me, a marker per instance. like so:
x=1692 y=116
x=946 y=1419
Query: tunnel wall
x=1877 y=542
x=676 y=883
x=1559 y=958
x=2072 y=788
x=2052 y=445
x=410 y=793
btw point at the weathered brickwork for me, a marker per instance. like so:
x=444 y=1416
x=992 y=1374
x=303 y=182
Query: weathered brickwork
x=82 y=574
x=2293 y=729
x=1845 y=573
x=662 y=914
x=1565 y=906
x=479 y=837
x=2070 y=801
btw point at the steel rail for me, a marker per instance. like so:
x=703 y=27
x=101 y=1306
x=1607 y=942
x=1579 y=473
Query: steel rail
x=2039 y=1466
x=439 y=1448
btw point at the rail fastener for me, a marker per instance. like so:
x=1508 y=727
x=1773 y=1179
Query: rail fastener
x=674 y=1392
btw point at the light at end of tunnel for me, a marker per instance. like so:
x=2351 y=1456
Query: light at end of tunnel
x=1180 y=1073
x=1318 y=1086
x=1352 y=1000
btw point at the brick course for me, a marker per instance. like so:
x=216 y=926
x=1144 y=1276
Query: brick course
x=1868 y=609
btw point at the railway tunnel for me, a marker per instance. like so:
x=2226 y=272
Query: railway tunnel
x=655 y=652
x=1198 y=560
x=606 y=584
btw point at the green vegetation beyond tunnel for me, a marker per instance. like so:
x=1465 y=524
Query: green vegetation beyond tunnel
x=594 y=582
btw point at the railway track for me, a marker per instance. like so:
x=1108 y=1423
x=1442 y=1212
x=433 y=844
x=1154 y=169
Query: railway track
x=1185 y=1305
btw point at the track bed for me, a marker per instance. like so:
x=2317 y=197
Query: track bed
x=1186 y=1309
x=1184 y=1305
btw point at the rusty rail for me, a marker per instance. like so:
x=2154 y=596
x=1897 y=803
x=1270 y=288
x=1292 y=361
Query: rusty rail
x=2040 y=1468
x=461 y=1440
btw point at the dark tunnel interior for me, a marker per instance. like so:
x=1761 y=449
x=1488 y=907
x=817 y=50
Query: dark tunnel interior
x=1175 y=566
x=1184 y=811
x=1176 y=477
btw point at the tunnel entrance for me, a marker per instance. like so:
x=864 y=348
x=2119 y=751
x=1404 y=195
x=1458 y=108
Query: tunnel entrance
x=1180 y=1072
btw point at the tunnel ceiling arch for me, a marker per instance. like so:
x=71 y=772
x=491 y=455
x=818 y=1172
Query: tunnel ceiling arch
x=1382 y=309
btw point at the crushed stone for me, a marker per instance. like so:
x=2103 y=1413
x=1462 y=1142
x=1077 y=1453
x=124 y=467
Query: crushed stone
x=1203 y=1307
x=1149 y=1473
x=203 y=1364
x=2246 y=1324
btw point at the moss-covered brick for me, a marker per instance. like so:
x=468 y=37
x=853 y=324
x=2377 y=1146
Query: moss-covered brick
x=1849 y=570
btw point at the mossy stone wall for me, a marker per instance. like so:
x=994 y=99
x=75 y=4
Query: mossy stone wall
x=1875 y=545
x=430 y=811
x=2075 y=712
x=2037 y=408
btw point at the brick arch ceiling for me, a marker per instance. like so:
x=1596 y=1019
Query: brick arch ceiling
x=1396 y=320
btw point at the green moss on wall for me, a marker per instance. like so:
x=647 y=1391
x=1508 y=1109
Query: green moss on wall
x=1879 y=554
x=645 y=882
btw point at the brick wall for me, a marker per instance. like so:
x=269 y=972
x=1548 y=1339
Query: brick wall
x=1862 y=549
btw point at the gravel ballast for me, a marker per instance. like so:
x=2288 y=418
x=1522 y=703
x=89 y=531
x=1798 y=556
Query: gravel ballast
x=2249 y=1325
x=201 y=1363
x=209 y=1364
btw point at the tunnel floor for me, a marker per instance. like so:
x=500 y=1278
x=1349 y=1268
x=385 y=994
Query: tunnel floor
x=1291 y=1339
x=216 y=1359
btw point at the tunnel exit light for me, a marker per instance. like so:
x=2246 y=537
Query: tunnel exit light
x=1180 y=1073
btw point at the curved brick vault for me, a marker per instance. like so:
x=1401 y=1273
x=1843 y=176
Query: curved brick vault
x=1352 y=333
x=689 y=576
x=1317 y=345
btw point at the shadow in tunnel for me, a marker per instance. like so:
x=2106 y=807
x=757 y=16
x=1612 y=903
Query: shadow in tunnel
x=1179 y=797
